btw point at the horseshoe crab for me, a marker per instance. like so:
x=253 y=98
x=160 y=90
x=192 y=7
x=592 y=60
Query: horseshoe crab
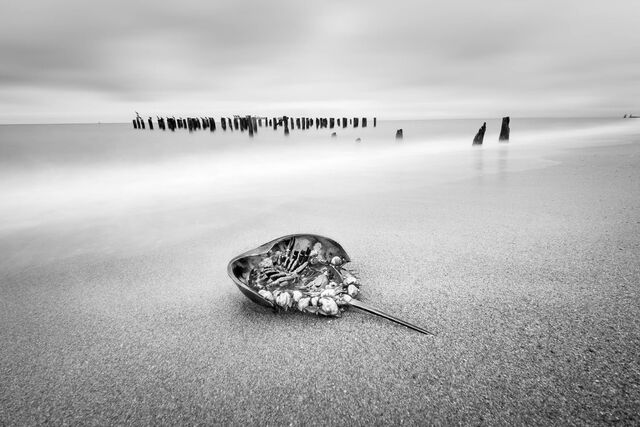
x=304 y=272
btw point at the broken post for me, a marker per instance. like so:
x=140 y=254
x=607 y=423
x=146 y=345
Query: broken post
x=477 y=140
x=504 y=130
x=399 y=134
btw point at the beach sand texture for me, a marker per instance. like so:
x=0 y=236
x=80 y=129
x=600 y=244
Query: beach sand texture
x=529 y=278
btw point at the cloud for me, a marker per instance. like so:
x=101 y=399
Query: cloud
x=418 y=58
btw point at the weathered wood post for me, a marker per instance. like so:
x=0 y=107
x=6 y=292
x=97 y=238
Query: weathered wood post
x=399 y=134
x=223 y=123
x=150 y=123
x=249 y=124
x=375 y=121
x=477 y=140
x=364 y=122
x=355 y=122
x=331 y=123
x=334 y=135
x=344 y=122
x=504 y=130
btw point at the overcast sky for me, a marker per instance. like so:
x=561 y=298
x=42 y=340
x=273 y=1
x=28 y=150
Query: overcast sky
x=81 y=60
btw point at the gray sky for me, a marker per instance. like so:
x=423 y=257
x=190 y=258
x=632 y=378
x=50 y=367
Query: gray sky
x=79 y=60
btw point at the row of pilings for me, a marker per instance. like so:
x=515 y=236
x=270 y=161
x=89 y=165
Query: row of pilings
x=250 y=124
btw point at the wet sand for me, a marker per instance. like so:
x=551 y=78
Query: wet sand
x=530 y=279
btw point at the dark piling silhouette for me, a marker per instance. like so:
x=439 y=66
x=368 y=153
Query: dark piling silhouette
x=355 y=122
x=364 y=122
x=399 y=134
x=505 y=130
x=135 y=124
x=479 y=138
x=248 y=123
x=375 y=121
x=334 y=135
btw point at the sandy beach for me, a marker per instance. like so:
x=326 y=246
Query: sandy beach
x=529 y=278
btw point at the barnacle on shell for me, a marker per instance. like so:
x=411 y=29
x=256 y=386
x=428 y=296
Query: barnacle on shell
x=305 y=271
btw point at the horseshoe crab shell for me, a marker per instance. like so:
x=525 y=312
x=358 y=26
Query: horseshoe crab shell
x=271 y=274
x=240 y=267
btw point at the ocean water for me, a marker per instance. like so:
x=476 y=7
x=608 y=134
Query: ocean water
x=66 y=173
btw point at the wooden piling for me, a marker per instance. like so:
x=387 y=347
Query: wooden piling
x=505 y=130
x=364 y=122
x=249 y=124
x=150 y=123
x=478 y=139
x=399 y=134
x=135 y=124
x=355 y=122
